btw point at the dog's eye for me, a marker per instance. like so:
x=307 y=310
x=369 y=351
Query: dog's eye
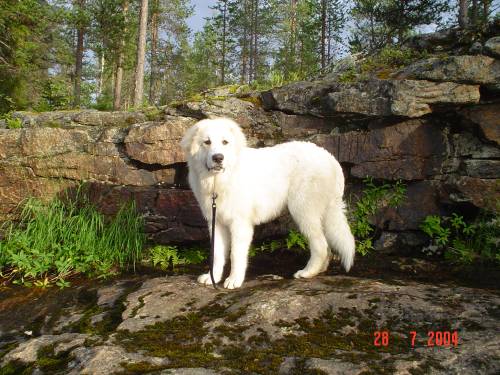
x=208 y=142
x=224 y=142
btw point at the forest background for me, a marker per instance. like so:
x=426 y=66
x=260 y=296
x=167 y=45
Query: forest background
x=124 y=54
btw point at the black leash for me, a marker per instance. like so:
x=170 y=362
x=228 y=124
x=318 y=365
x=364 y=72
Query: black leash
x=212 y=242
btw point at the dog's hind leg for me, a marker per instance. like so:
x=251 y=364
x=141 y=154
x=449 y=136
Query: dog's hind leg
x=311 y=228
x=221 y=251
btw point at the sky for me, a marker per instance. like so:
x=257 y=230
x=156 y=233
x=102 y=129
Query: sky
x=201 y=10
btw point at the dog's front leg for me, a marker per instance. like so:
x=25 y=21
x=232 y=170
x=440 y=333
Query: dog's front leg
x=241 y=237
x=221 y=250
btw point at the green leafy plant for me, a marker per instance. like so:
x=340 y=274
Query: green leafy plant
x=14 y=123
x=294 y=241
x=463 y=242
x=11 y=122
x=373 y=198
x=171 y=256
x=58 y=239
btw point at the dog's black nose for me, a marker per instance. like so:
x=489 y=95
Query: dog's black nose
x=218 y=158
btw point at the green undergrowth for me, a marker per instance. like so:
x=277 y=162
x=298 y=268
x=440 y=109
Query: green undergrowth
x=382 y=64
x=167 y=257
x=171 y=257
x=11 y=122
x=294 y=241
x=57 y=239
x=373 y=198
x=462 y=242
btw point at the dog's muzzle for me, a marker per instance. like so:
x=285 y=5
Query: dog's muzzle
x=215 y=168
x=217 y=163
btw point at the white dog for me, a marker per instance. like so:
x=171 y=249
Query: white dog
x=255 y=185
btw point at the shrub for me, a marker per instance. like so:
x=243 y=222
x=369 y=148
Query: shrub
x=57 y=239
x=462 y=242
x=373 y=198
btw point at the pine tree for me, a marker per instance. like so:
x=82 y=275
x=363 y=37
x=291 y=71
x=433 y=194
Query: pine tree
x=378 y=23
x=141 y=55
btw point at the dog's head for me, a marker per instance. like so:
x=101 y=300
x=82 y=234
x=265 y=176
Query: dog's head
x=213 y=144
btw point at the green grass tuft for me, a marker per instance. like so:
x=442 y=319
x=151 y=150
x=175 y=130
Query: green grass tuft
x=57 y=239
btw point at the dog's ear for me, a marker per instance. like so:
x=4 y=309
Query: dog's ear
x=239 y=137
x=187 y=143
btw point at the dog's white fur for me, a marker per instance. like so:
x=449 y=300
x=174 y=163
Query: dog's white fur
x=255 y=185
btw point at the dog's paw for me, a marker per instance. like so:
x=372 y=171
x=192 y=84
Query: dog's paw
x=206 y=280
x=233 y=282
x=304 y=274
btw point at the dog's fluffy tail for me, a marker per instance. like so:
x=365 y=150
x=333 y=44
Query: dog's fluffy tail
x=338 y=233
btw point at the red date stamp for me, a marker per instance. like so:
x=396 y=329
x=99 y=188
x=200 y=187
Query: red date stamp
x=434 y=339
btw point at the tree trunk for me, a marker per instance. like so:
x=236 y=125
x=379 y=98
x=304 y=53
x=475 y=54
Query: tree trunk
x=329 y=40
x=117 y=100
x=244 y=42
x=293 y=33
x=141 y=54
x=474 y=14
x=486 y=10
x=463 y=10
x=80 y=33
x=251 y=46
x=153 y=75
x=224 y=31
x=101 y=74
x=323 y=34
x=255 y=40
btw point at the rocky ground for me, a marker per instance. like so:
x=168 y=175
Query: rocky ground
x=152 y=323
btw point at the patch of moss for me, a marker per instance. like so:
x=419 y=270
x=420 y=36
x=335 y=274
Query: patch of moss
x=52 y=124
x=255 y=100
x=179 y=339
x=50 y=363
x=152 y=113
x=138 y=368
x=196 y=98
x=47 y=362
x=340 y=282
x=427 y=367
x=111 y=319
x=4 y=349
x=232 y=317
x=185 y=341
x=219 y=97
x=384 y=74
x=233 y=88
x=16 y=368
x=139 y=306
